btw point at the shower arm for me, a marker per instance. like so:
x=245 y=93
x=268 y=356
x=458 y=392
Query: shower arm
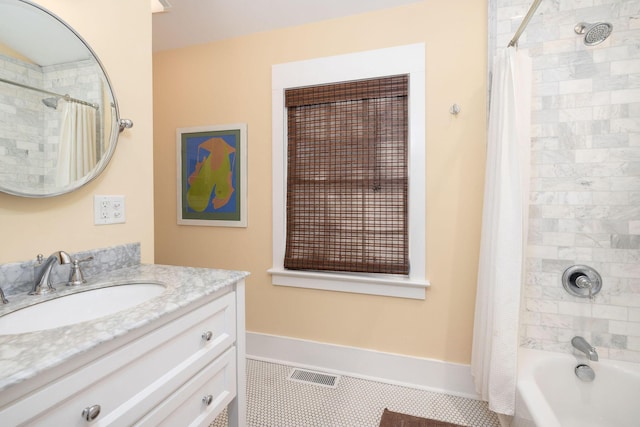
x=46 y=92
x=525 y=22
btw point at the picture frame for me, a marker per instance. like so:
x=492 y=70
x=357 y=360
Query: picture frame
x=212 y=175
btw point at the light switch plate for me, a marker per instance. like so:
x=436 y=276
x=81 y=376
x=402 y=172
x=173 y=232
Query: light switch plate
x=108 y=210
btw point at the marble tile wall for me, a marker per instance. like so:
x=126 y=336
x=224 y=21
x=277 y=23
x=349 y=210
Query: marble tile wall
x=21 y=115
x=585 y=186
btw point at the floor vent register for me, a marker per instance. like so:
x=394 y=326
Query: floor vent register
x=315 y=378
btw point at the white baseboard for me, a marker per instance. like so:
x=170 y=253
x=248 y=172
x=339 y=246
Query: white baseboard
x=427 y=374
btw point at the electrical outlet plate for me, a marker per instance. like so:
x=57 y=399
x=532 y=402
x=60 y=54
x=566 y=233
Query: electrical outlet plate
x=108 y=210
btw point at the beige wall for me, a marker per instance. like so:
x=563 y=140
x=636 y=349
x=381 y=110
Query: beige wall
x=119 y=31
x=230 y=81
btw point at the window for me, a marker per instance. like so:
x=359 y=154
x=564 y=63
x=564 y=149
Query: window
x=363 y=231
x=347 y=177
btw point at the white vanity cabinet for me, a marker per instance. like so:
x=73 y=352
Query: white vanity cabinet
x=182 y=370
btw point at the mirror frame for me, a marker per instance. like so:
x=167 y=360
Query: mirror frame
x=117 y=126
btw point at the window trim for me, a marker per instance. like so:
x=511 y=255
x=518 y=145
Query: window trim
x=408 y=59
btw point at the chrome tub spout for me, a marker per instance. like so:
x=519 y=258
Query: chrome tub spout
x=581 y=344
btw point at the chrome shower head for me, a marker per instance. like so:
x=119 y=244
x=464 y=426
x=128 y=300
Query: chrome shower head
x=594 y=33
x=51 y=102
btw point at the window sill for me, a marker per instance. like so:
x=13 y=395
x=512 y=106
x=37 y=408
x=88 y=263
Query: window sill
x=390 y=286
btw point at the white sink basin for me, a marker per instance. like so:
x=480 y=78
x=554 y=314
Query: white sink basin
x=78 y=307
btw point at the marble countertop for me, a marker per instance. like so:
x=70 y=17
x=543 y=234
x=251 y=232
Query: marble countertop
x=23 y=356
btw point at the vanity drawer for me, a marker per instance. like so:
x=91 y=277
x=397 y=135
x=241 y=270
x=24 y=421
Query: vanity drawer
x=201 y=399
x=128 y=382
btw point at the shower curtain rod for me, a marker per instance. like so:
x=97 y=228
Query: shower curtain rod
x=525 y=22
x=57 y=95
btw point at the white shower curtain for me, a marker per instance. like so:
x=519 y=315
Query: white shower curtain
x=504 y=231
x=77 y=146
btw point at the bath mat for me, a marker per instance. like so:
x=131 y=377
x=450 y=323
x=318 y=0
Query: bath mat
x=396 y=419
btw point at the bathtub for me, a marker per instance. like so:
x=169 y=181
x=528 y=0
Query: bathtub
x=550 y=395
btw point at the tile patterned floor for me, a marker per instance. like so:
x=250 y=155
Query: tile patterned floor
x=275 y=401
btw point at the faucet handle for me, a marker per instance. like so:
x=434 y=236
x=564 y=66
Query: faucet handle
x=584 y=282
x=75 y=275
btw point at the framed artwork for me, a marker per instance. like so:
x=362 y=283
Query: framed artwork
x=212 y=175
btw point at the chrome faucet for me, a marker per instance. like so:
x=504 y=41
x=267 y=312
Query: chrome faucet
x=42 y=283
x=581 y=344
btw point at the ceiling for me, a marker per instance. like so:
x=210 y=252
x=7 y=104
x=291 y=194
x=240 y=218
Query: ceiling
x=186 y=23
x=191 y=22
x=33 y=33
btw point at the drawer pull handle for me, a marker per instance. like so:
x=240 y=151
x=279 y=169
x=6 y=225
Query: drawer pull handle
x=207 y=335
x=207 y=399
x=90 y=413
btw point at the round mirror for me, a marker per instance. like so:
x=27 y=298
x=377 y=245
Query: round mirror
x=59 y=119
